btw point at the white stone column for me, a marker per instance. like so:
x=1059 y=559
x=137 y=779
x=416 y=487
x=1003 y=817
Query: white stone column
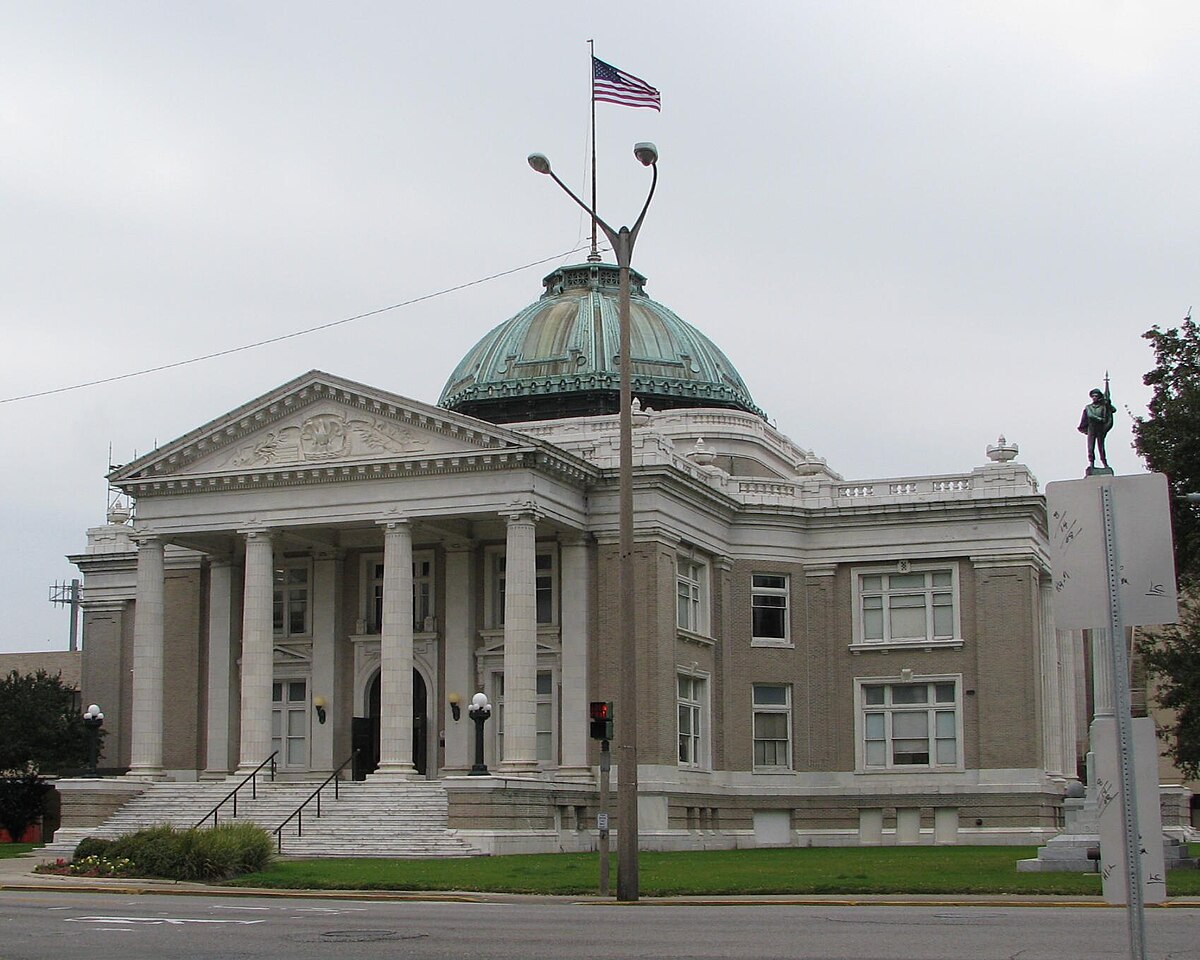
x=220 y=667
x=396 y=654
x=327 y=568
x=258 y=650
x=520 y=646
x=146 y=741
x=574 y=618
x=460 y=657
x=1102 y=689
x=1052 y=747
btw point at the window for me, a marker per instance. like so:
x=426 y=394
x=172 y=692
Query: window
x=545 y=580
x=691 y=592
x=772 y=726
x=910 y=725
x=544 y=716
x=693 y=725
x=291 y=606
x=769 y=608
x=423 y=597
x=917 y=606
x=289 y=723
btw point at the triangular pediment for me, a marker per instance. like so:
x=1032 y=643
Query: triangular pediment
x=319 y=420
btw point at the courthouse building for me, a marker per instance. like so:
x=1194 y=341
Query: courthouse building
x=334 y=566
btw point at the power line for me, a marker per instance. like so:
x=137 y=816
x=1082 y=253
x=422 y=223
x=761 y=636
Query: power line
x=294 y=334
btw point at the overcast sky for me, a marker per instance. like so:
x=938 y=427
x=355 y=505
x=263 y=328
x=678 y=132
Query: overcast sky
x=912 y=226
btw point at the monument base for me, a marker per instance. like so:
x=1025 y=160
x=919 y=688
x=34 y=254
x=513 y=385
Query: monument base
x=1099 y=472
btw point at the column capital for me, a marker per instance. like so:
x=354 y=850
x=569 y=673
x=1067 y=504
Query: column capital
x=146 y=538
x=257 y=534
x=394 y=522
x=522 y=511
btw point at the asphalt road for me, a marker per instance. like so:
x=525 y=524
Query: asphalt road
x=56 y=925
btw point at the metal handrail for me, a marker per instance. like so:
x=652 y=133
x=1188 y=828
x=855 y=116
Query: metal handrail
x=298 y=813
x=253 y=781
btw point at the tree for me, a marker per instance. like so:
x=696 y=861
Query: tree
x=1172 y=656
x=1169 y=441
x=41 y=727
x=1169 y=438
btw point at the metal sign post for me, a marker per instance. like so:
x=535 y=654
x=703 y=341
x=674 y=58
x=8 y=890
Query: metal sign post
x=1135 y=910
x=602 y=816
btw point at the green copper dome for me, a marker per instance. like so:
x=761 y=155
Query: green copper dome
x=559 y=357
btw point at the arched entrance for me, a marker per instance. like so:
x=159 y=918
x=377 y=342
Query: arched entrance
x=365 y=732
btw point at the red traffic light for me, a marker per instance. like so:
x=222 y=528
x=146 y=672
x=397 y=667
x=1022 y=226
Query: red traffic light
x=600 y=710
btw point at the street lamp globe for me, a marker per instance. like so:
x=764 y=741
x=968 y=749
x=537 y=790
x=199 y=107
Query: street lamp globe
x=646 y=153
x=540 y=162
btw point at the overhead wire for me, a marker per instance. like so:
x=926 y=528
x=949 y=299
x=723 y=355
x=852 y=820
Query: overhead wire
x=294 y=334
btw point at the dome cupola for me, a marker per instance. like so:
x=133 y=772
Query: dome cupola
x=560 y=356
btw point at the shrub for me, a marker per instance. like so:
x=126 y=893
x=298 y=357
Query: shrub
x=92 y=847
x=217 y=853
x=21 y=799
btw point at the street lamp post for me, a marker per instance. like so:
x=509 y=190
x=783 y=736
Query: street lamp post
x=93 y=719
x=479 y=710
x=627 y=757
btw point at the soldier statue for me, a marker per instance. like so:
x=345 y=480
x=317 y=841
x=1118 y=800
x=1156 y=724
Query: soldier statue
x=1096 y=421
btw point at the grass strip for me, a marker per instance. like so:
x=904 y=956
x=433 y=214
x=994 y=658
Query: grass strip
x=815 y=870
x=10 y=850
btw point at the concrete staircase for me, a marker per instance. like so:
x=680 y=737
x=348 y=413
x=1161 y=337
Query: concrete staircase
x=369 y=819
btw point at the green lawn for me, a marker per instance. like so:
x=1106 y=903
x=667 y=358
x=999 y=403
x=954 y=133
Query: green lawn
x=818 y=870
x=16 y=849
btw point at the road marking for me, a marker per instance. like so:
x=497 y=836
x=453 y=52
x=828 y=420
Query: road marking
x=153 y=920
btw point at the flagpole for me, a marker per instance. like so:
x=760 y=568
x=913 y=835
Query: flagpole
x=594 y=256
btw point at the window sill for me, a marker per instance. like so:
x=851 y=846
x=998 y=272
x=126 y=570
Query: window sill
x=697 y=638
x=777 y=644
x=906 y=771
x=773 y=771
x=885 y=647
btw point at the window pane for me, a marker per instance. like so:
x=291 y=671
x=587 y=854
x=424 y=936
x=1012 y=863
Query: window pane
x=906 y=581
x=942 y=578
x=898 y=600
x=943 y=621
x=945 y=724
x=277 y=724
x=545 y=683
x=685 y=688
x=910 y=752
x=873 y=625
x=296 y=690
x=873 y=695
x=543 y=716
x=876 y=757
x=543 y=561
x=875 y=726
x=295 y=753
x=771 y=726
x=770 y=581
x=770 y=694
x=943 y=692
x=872 y=584
x=947 y=752
x=872 y=603
x=685 y=720
x=910 y=693
x=909 y=623
x=297 y=575
x=277 y=693
x=910 y=725
x=295 y=723
x=545 y=748
x=770 y=624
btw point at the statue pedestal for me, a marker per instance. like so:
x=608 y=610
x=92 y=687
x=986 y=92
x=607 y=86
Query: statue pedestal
x=1099 y=472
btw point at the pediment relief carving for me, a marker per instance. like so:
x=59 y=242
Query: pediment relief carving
x=328 y=433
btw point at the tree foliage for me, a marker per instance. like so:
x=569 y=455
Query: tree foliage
x=1172 y=655
x=41 y=727
x=1169 y=438
x=21 y=799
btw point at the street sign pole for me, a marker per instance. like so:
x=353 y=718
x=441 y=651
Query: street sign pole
x=602 y=817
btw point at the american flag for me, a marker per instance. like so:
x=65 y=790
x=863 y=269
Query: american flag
x=616 y=86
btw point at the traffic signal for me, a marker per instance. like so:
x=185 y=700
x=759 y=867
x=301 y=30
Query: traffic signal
x=601 y=715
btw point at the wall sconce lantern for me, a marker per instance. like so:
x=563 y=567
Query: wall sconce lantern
x=319 y=706
x=455 y=707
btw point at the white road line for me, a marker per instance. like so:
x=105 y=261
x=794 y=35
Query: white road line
x=154 y=920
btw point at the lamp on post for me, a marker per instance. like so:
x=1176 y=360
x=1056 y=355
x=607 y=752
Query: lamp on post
x=626 y=740
x=93 y=719
x=479 y=711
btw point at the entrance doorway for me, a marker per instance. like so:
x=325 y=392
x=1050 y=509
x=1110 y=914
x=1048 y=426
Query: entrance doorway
x=365 y=732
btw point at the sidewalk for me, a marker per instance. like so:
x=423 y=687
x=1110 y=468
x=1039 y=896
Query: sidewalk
x=16 y=873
